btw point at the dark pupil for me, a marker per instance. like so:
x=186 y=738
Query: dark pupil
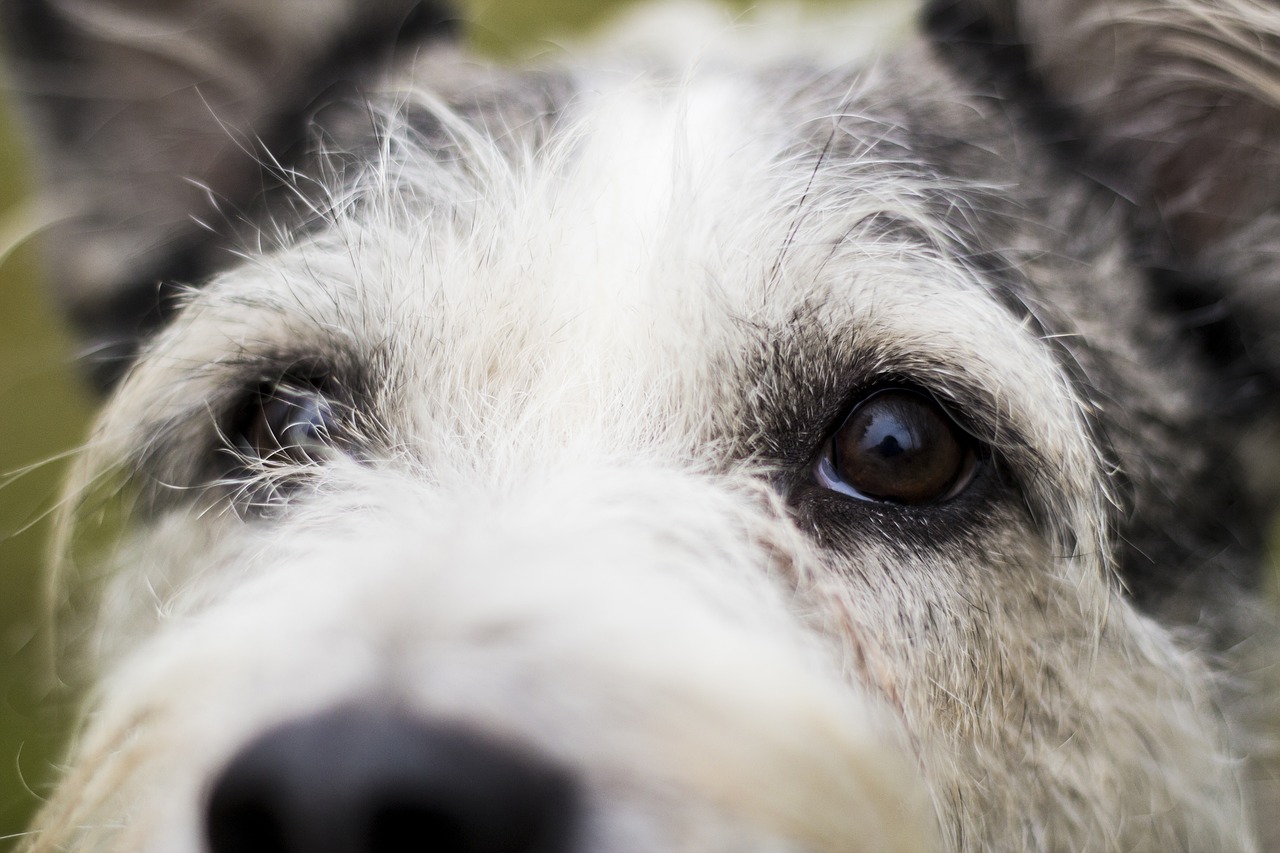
x=897 y=446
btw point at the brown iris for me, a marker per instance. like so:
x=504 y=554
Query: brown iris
x=898 y=446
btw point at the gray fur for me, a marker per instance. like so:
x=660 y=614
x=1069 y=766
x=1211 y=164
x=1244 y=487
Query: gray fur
x=585 y=332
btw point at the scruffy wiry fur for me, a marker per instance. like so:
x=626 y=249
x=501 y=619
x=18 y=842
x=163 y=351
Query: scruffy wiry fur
x=581 y=336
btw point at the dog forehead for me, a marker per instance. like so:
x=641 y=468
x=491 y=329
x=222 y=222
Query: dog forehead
x=673 y=248
x=644 y=202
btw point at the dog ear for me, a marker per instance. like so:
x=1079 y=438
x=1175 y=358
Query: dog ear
x=1175 y=104
x=153 y=120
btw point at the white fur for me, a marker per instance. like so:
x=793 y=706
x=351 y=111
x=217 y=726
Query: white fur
x=549 y=545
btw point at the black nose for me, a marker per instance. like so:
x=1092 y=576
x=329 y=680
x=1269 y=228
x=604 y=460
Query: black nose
x=362 y=780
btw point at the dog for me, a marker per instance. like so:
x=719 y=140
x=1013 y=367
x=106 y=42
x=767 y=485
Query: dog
x=726 y=449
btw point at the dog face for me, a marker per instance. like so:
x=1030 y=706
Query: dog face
x=749 y=457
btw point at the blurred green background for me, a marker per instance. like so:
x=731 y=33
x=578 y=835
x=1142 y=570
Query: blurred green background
x=44 y=412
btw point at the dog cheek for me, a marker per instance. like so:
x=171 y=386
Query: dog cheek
x=995 y=651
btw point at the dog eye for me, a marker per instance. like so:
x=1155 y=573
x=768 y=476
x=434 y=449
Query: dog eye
x=898 y=446
x=286 y=424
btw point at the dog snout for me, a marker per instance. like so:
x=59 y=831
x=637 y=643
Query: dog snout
x=365 y=780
